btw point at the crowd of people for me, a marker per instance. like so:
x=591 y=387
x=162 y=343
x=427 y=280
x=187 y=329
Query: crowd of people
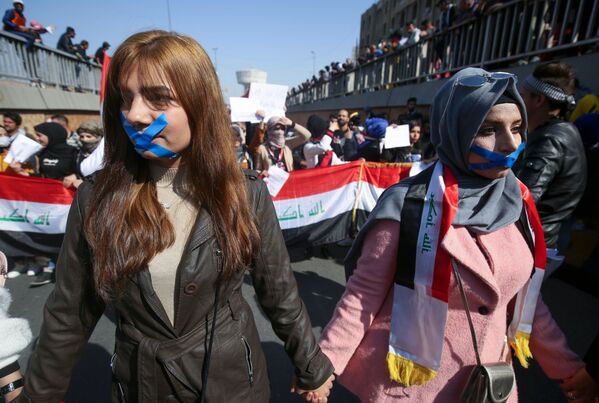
x=340 y=139
x=60 y=158
x=14 y=21
x=505 y=168
x=449 y=16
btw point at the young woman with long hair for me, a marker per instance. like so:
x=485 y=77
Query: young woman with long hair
x=165 y=233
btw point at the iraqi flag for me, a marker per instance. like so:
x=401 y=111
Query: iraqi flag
x=325 y=205
x=33 y=215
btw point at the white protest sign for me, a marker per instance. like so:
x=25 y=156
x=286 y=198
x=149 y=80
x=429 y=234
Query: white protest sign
x=275 y=180
x=244 y=109
x=398 y=136
x=271 y=98
x=21 y=149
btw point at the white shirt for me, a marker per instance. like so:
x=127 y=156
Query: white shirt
x=95 y=161
x=313 y=150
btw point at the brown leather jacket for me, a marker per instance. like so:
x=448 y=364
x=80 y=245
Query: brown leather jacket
x=157 y=362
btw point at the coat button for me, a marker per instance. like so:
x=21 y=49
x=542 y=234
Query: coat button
x=190 y=288
x=483 y=310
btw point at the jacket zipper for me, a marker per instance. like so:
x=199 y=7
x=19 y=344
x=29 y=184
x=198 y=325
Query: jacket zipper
x=248 y=359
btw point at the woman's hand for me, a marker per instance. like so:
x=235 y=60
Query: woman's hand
x=260 y=114
x=581 y=387
x=286 y=121
x=18 y=168
x=71 y=180
x=318 y=395
x=11 y=378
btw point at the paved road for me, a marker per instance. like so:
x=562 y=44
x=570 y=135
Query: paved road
x=321 y=282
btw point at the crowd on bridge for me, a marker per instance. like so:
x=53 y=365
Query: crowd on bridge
x=442 y=53
x=520 y=152
x=14 y=21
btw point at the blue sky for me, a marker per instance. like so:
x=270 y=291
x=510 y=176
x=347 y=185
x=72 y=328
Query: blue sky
x=275 y=36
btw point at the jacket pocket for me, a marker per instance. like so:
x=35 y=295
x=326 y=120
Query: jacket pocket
x=248 y=359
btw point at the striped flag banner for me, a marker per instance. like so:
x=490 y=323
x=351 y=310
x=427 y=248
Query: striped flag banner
x=325 y=205
x=33 y=215
x=317 y=206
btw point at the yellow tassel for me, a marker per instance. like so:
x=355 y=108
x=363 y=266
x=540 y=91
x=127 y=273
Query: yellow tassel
x=521 y=348
x=408 y=372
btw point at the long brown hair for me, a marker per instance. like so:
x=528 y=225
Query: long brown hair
x=126 y=226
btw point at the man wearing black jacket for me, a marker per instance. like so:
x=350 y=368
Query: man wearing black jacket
x=553 y=164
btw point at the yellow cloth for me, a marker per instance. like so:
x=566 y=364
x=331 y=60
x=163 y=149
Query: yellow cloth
x=588 y=103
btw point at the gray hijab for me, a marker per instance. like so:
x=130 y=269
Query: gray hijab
x=458 y=111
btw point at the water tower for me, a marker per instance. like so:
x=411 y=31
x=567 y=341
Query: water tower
x=246 y=77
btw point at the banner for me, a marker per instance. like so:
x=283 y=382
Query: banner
x=325 y=205
x=33 y=215
x=318 y=206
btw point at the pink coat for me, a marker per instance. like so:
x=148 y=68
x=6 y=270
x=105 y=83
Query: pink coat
x=493 y=267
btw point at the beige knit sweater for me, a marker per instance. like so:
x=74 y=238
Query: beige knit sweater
x=182 y=215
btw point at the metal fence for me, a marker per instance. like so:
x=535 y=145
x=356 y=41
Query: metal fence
x=42 y=65
x=519 y=32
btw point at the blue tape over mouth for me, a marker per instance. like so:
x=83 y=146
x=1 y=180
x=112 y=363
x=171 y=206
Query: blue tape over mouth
x=143 y=141
x=496 y=160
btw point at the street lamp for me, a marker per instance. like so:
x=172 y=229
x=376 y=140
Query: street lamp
x=215 y=60
x=313 y=62
x=168 y=12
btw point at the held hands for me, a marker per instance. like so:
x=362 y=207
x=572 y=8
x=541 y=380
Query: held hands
x=319 y=395
x=581 y=387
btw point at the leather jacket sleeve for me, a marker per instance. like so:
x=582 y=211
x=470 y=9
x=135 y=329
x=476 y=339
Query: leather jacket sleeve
x=540 y=165
x=70 y=316
x=278 y=295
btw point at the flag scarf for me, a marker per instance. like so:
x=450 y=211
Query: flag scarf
x=421 y=289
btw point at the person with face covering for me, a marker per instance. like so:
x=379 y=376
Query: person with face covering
x=277 y=149
x=399 y=332
x=165 y=234
x=90 y=135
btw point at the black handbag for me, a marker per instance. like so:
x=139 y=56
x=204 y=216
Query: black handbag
x=488 y=383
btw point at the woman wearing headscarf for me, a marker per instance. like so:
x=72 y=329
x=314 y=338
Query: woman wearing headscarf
x=277 y=149
x=57 y=159
x=318 y=152
x=399 y=332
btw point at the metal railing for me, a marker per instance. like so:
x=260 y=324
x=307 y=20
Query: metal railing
x=45 y=66
x=519 y=32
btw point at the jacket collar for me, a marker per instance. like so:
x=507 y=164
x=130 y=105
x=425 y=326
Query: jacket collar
x=463 y=248
x=202 y=231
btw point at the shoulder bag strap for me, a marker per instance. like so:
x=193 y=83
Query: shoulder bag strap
x=467 y=307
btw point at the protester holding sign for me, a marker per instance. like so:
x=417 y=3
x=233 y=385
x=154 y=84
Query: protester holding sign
x=398 y=330
x=410 y=153
x=277 y=148
x=165 y=233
